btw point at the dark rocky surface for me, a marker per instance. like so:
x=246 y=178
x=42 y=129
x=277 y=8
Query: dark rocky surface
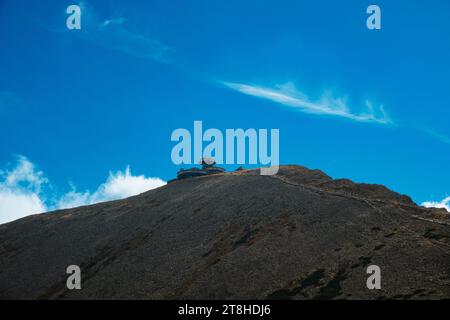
x=296 y=235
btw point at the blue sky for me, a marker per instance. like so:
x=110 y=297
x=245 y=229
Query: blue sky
x=82 y=105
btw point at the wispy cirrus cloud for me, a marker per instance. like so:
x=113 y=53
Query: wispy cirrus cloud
x=112 y=33
x=108 y=22
x=433 y=133
x=288 y=96
x=9 y=100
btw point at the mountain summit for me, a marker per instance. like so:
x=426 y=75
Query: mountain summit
x=240 y=235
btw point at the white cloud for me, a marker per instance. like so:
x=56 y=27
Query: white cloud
x=119 y=185
x=445 y=203
x=24 y=176
x=73 y=199
x=15 y=204
x=289 y=96
x=21 y=191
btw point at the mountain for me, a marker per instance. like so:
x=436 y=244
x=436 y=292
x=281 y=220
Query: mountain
x=296 y=235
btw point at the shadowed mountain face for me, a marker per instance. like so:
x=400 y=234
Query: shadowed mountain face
x=296 y=235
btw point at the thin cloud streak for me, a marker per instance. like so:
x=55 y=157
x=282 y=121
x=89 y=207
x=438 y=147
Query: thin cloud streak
x=9 y=100
x=288 y=95
x=437 y=135
x=112 y=33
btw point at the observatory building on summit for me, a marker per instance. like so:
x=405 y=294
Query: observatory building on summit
x=208 y=167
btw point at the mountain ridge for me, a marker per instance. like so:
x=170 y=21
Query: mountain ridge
x=238 y=235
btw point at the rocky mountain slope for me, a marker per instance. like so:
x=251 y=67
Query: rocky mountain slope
x=296 y=235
